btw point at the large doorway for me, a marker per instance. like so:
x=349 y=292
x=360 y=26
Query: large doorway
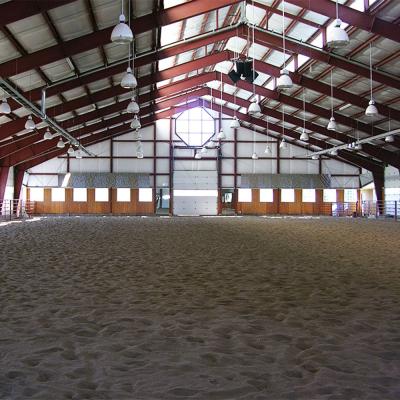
x=195 y=193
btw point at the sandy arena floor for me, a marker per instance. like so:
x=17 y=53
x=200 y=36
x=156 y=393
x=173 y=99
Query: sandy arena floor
x=206 y=308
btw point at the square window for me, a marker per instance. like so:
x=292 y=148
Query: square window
x=287 y=195
x=329 y=195
x=350 y=195
x=244 y=195
x=145 y=194
x=101 y=194
x=36 y=194
x=266 y=195
x=123 y=194
x=57 y=194
x=79 y=194
x=308 y=195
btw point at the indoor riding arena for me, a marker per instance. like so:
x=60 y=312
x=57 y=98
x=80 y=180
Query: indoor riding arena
x=199 y=199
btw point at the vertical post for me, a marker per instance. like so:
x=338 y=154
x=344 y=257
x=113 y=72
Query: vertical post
x=154 y=168
x=235 y=183
x=395 y=210
x=171 y=169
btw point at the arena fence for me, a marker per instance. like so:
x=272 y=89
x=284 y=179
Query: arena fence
x=16 y=209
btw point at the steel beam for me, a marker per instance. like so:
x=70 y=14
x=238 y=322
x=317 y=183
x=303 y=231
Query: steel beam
x=361 y=20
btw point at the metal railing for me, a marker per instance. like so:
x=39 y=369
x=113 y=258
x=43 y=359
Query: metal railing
x=16 y=209
x=380 y=209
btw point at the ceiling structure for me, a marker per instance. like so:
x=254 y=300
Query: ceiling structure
x=183 y=53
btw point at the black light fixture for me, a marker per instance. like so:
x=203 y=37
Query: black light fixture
x=243 y=70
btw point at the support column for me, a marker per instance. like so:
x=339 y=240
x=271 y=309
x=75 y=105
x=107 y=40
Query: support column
x=3 y=182
x=379 y=182
x=18 y=179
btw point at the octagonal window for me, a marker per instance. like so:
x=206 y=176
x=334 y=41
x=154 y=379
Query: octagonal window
x=195 y=126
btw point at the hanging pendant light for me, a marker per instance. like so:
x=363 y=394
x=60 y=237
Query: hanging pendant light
x=122 y=33
x=5 y=107
x=197 y=156
x=336 y=36
x=267 y=149
x=221 y=134
x=371 y=110
x=315 y=157
x=254 y=108
x=333 y=152
x=30 y=124
x=78 y=154
x=139 y=155
x=71 y=150
x=332 y=126
x=135 y=124
x=211 y=144
x=358 y=146
x=283 y=144
x=133 y=106
x=304 y=135
x=47 y=134
x=139 y=150
x=60 y=144
x=128 y=80
x=284 y=81
x=235 y=123
x=254 y=156
x=389 y=139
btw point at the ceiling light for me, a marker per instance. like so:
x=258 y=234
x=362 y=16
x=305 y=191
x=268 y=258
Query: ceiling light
x=221 y=135
x=315 y=157
x=197 y=156
x=60 y=144
x=304 y=135
x=128 y=80
x=133 y=107
x=30 y=124
x=211 y=144
x=5 y=107
x=283 y=144
x=135 y=124
x=122 y=33
x=371 y=110
x=78 y=154
x=47 y=135
x=71 y=150
x=389 y=139
x=358 y=146
x=235 y=123
x=139 y=154
x=333 y=152
x=284 y=81
x=254 y=109
x=337 y=37
x=267 y=149
x=254 y=156
x=332 y=126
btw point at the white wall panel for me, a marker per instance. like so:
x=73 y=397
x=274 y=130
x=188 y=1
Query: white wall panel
x=126 y=149
x=162 y=149
x=337 y=167
x=89 y=165
x=228 y=149
x=163 y=127
x=101 y=149
x=228 y=166
x=299 y=166
x=392 y=177
x=58 y=165
x=43 y=180
x=162 y=181
x=345 y=182
x=194 y=205
x=195 y=165
x=162 y=166
x=195 y=180
x=133 y=165
x=228 y=181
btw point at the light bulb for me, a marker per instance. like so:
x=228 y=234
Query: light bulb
x=371 y=110
x=128 y=80
x=389 y=139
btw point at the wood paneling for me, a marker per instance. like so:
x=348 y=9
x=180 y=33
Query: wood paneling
x=112 y=206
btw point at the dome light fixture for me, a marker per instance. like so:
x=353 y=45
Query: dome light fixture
x=267 y=149
x=47 y=134
x=332 y=126
x=128 y=80
x=315 y=157
x=371 y=110
x=337 y=37
x=197 y=156
x=122 y=33
x=389 y=139
x=221 y=135
x=254 y=156
x=78 y=154
x=60 y=144
x=358 y=146
x=133 y=106
x=284 y=81
x=135 y=124
x=71 y=150
x=333 y=152
x=304 y=135
x=254 y=108
x=235 y=123
x=5 y=107
x=30 y=124
x=283 y=144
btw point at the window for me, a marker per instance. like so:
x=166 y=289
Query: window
x=266 y=195
x=350 y=196
x=101 y=194
x=287 y=195
x=57 y=194
x=145 y=194
x=244 y=195
x=123 y=194
x=36 y=194
x=329 y=195
x=195 y=126
x=308 y=195
x=79 y=194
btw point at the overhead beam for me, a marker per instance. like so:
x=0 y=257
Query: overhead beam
x=102 y=37
x=358 y=19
